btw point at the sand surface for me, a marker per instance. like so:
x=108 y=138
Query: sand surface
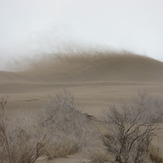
x=94 y=84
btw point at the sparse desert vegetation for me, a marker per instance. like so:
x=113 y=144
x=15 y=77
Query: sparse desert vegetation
x=130 y=131
x=18 y=143
x=64 y=124
x=132 y=128
x=62 y=129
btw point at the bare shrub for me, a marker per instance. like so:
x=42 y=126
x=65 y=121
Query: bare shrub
x=17 y=144
x=131 y=129
x=64 y=124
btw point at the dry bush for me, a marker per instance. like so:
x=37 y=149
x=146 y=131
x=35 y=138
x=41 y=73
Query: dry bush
x=18 y=144
x=64 y=125
x=132 y=129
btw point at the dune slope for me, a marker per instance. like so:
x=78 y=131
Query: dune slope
x=98 y=67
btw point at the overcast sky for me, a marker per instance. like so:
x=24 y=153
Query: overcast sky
x=31 y=27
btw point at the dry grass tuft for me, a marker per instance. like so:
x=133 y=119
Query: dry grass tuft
x=61 y=147
x=98 y=154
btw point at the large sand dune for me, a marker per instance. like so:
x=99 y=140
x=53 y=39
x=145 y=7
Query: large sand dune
x=90 y=68
x=98 y=67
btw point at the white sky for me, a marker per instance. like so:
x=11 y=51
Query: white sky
x=29 y=27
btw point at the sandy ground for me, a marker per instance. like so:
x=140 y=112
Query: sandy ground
x=92 y=97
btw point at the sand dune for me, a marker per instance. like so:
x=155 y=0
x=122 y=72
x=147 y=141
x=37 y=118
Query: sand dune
x=90 y=68
x=97 y=67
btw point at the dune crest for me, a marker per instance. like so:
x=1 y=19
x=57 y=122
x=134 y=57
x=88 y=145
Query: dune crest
x=89 y=67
